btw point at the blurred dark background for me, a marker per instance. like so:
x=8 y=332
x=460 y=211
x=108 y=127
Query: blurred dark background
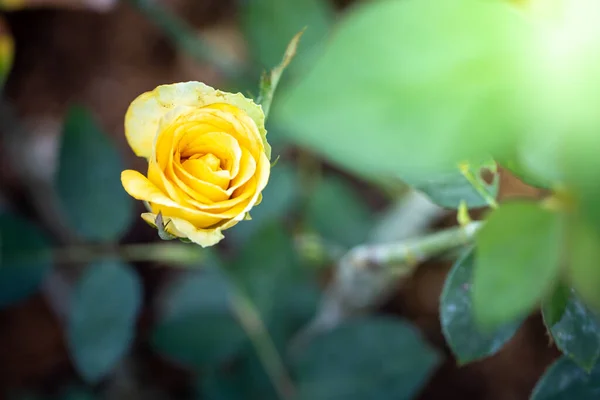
x=69 y=53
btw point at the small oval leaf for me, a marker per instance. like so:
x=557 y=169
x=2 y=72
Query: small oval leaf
x=564 y=380
x=88 y=180
x=467 y=341
x=365 y=358
x=25 y=259
x=102 y=319
x=198 y=327
x=577 y=331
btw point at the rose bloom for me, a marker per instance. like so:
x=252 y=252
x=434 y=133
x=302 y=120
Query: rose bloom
x=208 y=159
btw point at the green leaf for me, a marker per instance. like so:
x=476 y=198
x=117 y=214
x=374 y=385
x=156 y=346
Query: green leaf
x=410 y=88
x=7 y=51
x=577 y=332
x=564 y=380
x=270 y=81
x=337 y=212
x=279 y=199
x=517 y=262
x=102 y=319
x=88 y=180
x=77 y=393
x=265 y=267
x=450 y=188
x=244 y=379
x=197 y=328
x=583 y=261
x=554 y=306
x=366 y=358
x=270 y=24
x=467 y=341
x=25 y=259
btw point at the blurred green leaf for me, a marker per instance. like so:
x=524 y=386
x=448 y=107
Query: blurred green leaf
x=268 y=271
x=103 y=317
x=198 y=327
x=293 y=311
x=338 y=213
x=577 y=332
x=265 y=267
x=244 y=379
x=467 y=341
x=554 y=306
x=564 y=380
x=366 y=358
x=410 y=88
x=517 y=262
x=25 y=259
x=269 y=25
x=77 y=393
x=88 y=180
x=279 y=199
x=583 y=264
x=7 y=51
x=449 y=189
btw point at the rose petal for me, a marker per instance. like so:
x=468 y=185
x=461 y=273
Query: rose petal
x=247 y=171
x=145 y=112
x=183 y=229
x=140 y=188
x=196 y=185
x=263 y=170
x=221 y=144
x=201 y=168
x=203 y=237
x=252 y=126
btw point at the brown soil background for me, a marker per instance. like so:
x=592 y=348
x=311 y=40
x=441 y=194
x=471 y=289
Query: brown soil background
x=105 y=60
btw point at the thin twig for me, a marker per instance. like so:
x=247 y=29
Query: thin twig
x=270 y=358
x=368 y=273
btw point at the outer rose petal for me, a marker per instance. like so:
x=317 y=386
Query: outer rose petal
x=183 y=229
x=146 y=111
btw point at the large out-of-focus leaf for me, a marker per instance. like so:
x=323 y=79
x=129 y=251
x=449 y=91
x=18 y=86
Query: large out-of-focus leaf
x=577 y=331
x=409 y=88
x=198 y=328
x=25 y=259
x=583 y=265
x=6 y=51
x=337 y=212
x=103 y=317
x=270 y=24
x=88 y=180
x=564 y=380
x=517 y=261
x=366 y=358
x=467 y=341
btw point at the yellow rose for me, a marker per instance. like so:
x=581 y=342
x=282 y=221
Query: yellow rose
x=208 y=158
